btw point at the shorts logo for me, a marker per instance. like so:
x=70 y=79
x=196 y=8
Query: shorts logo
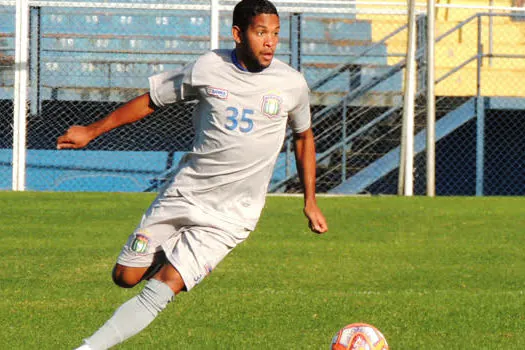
x=216 y=92
x=201 y=276
x=271 y=105
x=140 y=243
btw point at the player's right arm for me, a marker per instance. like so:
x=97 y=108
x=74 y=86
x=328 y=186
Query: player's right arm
x=79 y=136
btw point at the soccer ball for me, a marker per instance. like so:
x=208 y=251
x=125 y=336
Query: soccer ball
x=359 y=336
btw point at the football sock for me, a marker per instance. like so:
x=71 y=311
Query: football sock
x=132 y=316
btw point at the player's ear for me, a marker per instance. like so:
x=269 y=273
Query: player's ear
x=237 y=34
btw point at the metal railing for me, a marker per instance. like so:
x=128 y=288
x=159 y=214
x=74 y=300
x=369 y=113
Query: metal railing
x=341 y=147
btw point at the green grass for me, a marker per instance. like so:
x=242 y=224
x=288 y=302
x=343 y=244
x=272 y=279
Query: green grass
x=442 y=273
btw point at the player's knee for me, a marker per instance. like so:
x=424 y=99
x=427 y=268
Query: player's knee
x=126 y=277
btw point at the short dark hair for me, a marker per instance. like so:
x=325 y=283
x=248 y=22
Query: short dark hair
x=245 y=10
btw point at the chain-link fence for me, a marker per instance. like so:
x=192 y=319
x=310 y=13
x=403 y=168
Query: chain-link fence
x=7 y=78
x=85 y=61
x=478 y=99
x=479 y=105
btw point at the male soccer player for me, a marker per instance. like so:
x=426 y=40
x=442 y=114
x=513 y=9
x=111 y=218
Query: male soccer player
x=246 y=98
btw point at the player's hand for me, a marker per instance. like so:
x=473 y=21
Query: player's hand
x=316 y=219
x=75 y=137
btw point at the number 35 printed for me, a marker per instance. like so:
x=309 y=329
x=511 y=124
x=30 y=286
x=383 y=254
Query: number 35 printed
x=238 y=120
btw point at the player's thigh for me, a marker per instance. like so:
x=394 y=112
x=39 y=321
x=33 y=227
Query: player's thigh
x=127 y=277
x=162 y=222
x=144 y=243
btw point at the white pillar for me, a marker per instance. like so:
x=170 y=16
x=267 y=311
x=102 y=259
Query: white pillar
x=431 y=100
x=406 y=180
x=214 y=24
x=20 y=94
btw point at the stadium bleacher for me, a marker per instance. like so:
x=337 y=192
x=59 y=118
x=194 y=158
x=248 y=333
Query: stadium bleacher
x=121 y=48
x=118 y=48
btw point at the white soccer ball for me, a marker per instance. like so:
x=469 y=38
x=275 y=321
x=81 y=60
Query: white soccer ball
x=359 y=336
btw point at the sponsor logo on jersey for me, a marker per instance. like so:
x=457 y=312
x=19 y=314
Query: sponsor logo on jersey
x=140 y=243
x=271 y=105
x=217 y=92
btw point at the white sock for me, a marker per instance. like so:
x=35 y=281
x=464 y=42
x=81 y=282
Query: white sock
x=132 y=316
x=84 y=347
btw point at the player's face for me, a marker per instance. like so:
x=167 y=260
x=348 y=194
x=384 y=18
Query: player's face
x=256 y=46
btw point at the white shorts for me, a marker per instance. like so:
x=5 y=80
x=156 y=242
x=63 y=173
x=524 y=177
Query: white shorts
x=194 y=241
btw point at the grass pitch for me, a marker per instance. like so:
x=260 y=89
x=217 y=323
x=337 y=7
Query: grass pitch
x=442 y=273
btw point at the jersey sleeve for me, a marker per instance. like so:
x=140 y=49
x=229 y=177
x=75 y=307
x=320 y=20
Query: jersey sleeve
x=172 y=86
x=299 y=115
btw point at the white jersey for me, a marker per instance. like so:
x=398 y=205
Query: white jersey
x=240 y=124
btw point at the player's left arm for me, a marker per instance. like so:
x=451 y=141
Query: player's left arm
x=304 y=146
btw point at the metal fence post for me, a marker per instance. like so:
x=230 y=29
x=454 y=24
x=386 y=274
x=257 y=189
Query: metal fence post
x=214 y=24
x=295 y=41
x=406 y=176
x=295 y=62
x=480 y=117
x=343 y=138
x=422 y=28
x=20 y=95
x=34 y=60
x=491 y=32
x=431 y=100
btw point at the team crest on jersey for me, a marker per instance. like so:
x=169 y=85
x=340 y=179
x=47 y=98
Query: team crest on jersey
x=217 y=92
x=140 y=243
x=271 y=105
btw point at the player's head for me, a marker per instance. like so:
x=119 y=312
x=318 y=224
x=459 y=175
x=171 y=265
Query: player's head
x=255 y=29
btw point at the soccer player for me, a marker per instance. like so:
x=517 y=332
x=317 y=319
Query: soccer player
x=246 y=98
